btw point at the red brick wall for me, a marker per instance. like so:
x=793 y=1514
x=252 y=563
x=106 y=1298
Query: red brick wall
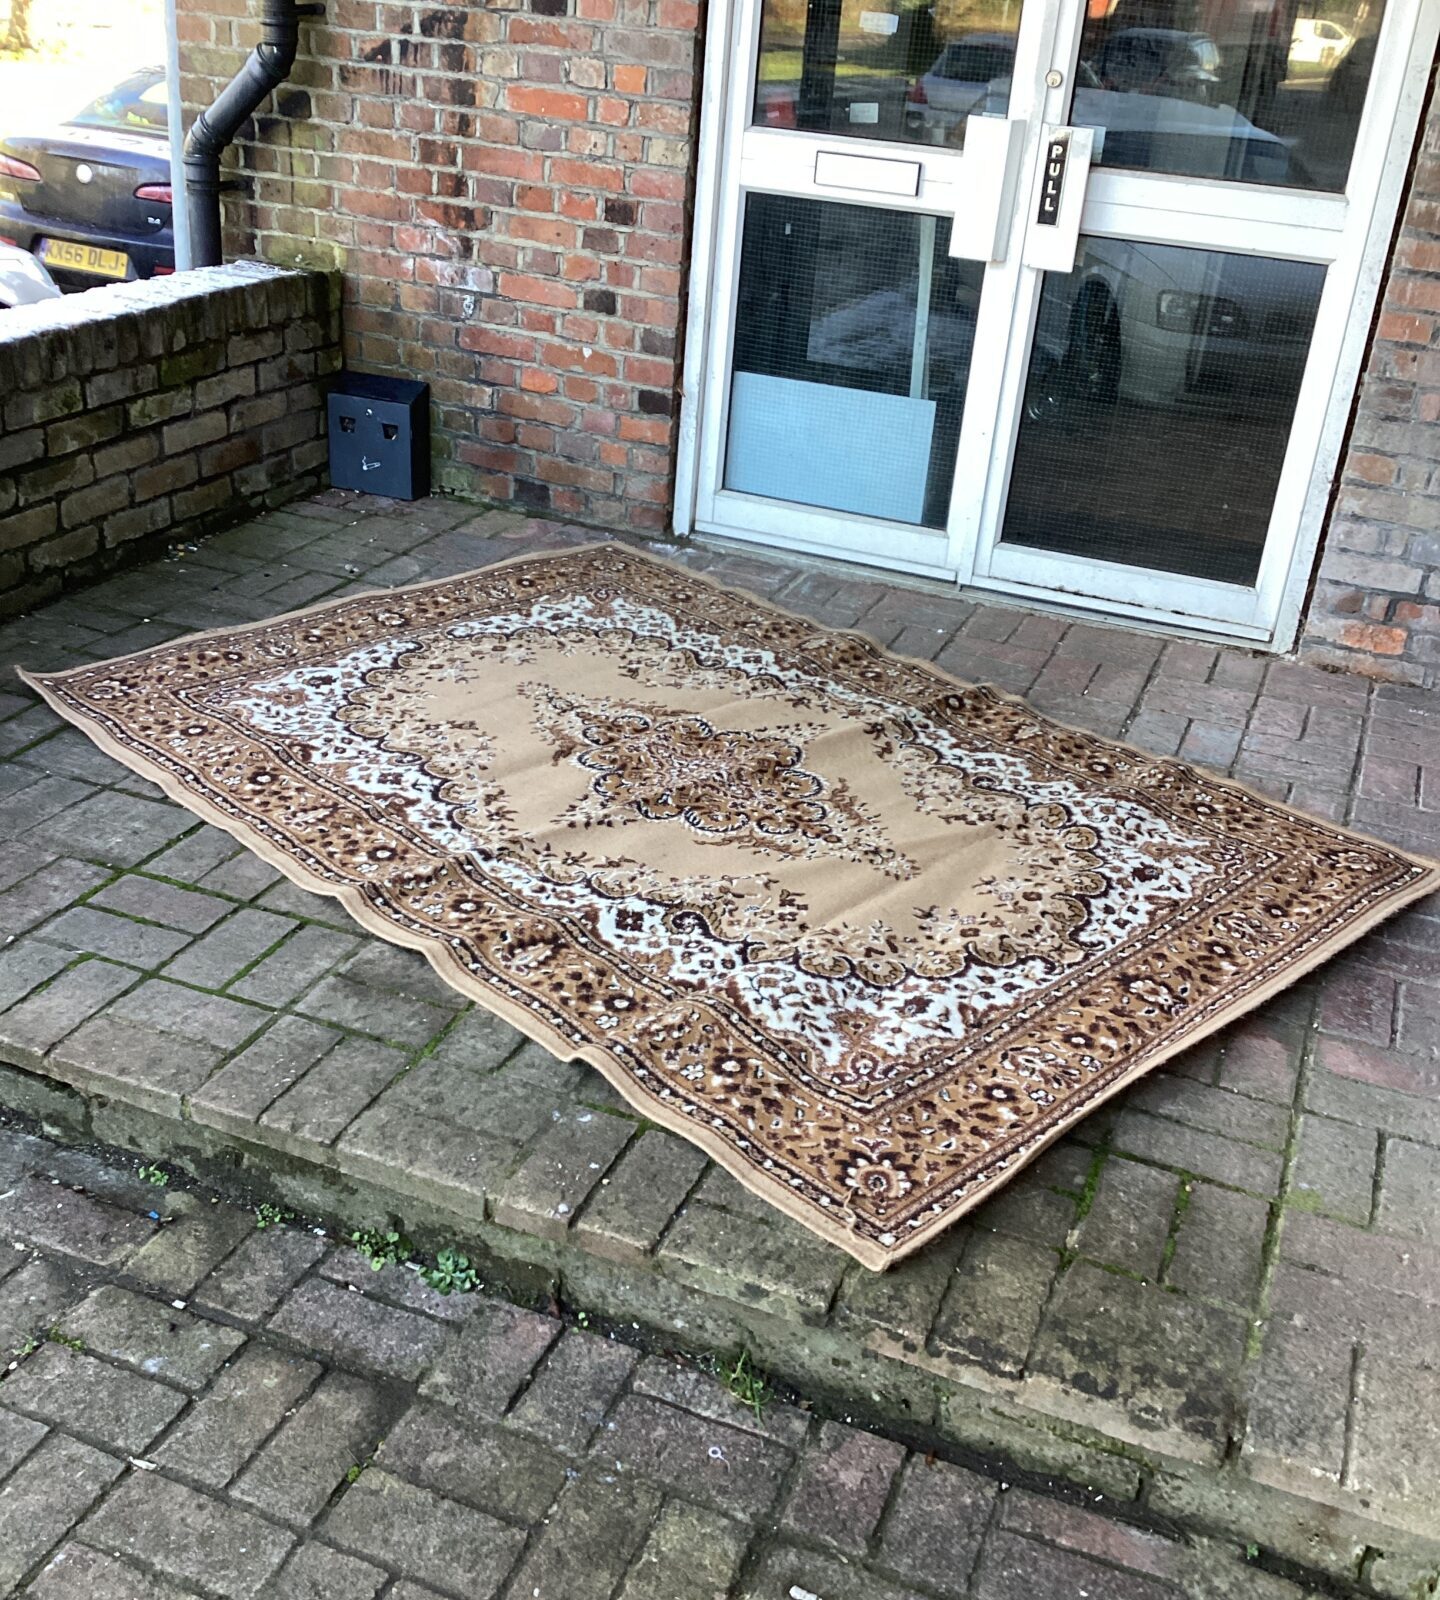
x=504 y=187
x=1376 y=606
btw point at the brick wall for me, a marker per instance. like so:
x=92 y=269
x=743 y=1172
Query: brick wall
x=505 y=189
x=144 y=413
x=1376 y=605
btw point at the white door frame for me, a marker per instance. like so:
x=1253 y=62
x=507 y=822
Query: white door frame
x=1349 y=234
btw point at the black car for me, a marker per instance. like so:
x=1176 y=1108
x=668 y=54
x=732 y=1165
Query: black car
x=91 y=198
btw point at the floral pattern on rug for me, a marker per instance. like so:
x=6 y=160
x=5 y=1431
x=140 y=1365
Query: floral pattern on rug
x=870 y=936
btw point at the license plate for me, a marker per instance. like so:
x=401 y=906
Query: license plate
x=85 y=258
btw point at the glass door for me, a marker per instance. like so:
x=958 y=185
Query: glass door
x=871 y=161
x=1170 y=372
x=1057 y=299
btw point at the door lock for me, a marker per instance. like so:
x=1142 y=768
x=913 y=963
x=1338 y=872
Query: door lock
x=1054 y=79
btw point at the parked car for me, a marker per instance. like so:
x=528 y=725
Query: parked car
x=23 y=280
x=958 y=80
x=1318 y=42
x=91 y=198
x=1161 y=61
x=1163 y=326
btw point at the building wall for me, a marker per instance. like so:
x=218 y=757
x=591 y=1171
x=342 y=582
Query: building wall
x=505 y=189
x=1376 y=605
x=144 y=413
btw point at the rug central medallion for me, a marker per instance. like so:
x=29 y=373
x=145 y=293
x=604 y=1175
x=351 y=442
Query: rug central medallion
x=869 y=936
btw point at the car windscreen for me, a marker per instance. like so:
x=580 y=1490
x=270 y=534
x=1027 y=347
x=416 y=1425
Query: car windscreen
x=977 y=63
x=138 y=105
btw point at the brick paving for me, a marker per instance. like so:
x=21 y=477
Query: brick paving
x=1216 y=1300
x=298 y=1426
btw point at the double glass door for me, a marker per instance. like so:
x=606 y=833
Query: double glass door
x=1060 y=297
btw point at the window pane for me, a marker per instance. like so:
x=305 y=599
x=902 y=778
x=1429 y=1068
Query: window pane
x=884 y=69
x=1161 y=392
x=1248 y=90
x=842 y=396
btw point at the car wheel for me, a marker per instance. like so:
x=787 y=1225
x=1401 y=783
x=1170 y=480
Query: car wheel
x=1093 y=358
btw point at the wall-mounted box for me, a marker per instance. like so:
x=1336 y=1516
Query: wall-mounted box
x=380 y=435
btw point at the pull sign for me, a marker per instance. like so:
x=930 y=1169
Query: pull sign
x=1052 y=180
x=1058 y=198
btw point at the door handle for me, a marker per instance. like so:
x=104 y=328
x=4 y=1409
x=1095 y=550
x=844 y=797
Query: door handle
x=1052 y=226
x=985 y=206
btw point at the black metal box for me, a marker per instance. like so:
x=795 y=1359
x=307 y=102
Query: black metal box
x=380 y=435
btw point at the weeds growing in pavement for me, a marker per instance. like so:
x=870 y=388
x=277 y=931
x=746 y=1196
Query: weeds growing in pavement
x=747 y=1385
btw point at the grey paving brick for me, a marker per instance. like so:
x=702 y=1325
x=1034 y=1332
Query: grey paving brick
x=239 y=1411
x=228 y=949
x=935 y=1526
x=53 y=1489
x=1219 y=1246
x=378 y=965
x=378 y=1012
x=37 y=1024
x=688 y=1388
x=570 y=1159
x=45 y=890
x=239 y=1092
x=26 y=965
x=778 y=1266
x=597 y=1525
x=484 y=1366
x=840 y=1487
x=315 y=1572
x=18 y=1437
x=691 y=1554
x=1334 y=1169
x=568 y=1397
x=32 y=1295
x=306 y=955
x=107 y=1055
x=783 y=1568
x=1018 y=1569
x=58 y=1219
x=1130 y=1217
x=455 y=1549
x=895 y=1309
x=728 y=1469
x=1171 y=1365
x=1410 y=1191
x=354 y=1330
x=118 y=830
x=121 y=1410
x=177 y=1532
x=196 y=1239
x=38 y=801
x=319 y=1106
x=295 y=1474
x=137 y=896
x=243 y=877
x=154 y=1338
x=1207 y=1155
x=199 y=852
x=993 y=1307
x=397 y=1285
x=491 y=1467
x=628 y=1212
x=264 y=1267
x=76 y=1572
x=173 y=1008
x=118 y=938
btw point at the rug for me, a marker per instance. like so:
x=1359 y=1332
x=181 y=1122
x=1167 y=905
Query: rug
x=870 y=937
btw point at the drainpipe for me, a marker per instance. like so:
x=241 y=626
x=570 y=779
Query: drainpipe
x=267 y=66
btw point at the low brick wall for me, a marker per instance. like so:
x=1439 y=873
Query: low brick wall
x=145 y=413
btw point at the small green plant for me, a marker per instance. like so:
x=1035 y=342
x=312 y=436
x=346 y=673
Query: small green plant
x=583 y=1318
x=268 y=1216
x=156 y=1175
x=55 y=1336
x=353 y=1475
x=451 y=1274
x=747 y=1385
x=1252 y=1552
x=382 y=1247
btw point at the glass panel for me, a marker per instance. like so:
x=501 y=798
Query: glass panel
x=1256 y=91
x=885 y=69
x=842 y=396
x=1158 y=407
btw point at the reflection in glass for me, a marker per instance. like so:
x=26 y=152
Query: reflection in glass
x=1255 y=91
x=853 y=337
x=884 y=69
x=1160 y=397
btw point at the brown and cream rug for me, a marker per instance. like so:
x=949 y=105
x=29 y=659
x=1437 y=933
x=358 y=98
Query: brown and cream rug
x=870 y=937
